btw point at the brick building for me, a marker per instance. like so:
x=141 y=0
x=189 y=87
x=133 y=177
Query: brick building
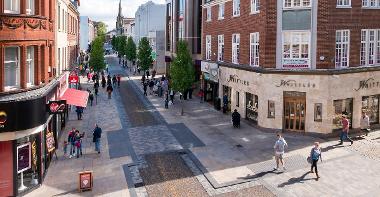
x=295 y=65
x=73 y=32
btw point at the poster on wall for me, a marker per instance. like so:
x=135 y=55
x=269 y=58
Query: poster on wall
x=56 y=107
x=23 y=157
x=271 y=109
x=318 y=112
x=50 y=143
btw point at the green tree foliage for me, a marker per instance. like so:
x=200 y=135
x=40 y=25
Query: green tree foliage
x=101 y=29
x=144 y=54
x=113 y=42
x=97 y=55
x=119 y=44
x=181 y=69
x=131 y=49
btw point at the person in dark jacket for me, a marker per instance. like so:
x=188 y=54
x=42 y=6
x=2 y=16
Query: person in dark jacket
x=91 y=97
x=118 y=80
x=109 y=91
x=97 y=134
x=103 y=81
x=78 y=142
x=145 y=88
x=114 y=80
x=236 y=119
x=225 y=103
x=79 y=111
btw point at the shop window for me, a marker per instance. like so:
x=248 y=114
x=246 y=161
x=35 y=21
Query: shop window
x=12 y=6
x=30 y=7
x=237 y=99
x=28 y=170
x=12 y=68
x=342 y=107
x=271 y=109
x=30 y=66
x=296 y=49
x=370 y=105
x=251 y=111
x=227 y=97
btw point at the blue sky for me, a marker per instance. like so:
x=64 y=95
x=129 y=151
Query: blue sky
x=106 y=10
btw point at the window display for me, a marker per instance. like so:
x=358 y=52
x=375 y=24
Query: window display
x=271 y=109
x=370 y=105
x=342 y=107
x=252 y=102
x=318 y=112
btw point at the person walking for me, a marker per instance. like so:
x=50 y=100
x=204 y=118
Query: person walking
x=91 y=97
x=103 y=81
x=71 y=141
x=225 y=103
x=151 y=85
x=109 y=91
x=279 y=151
x=171 y=94
x=364 y=123
x=201 y=94
x=114 y=81
x=145 y=86
x=166 y=100
x=315 y=155
x=97 y=133
x=118 y=80
x=345 y=129
x=79 y=111
x=236 y=119
x=78 y=143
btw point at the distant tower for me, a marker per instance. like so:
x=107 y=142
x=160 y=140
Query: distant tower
x=119 y=21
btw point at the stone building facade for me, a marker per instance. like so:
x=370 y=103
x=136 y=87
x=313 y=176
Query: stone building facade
x=294 y=65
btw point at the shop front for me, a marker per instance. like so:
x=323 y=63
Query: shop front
x=210 y=72
x=310 y=102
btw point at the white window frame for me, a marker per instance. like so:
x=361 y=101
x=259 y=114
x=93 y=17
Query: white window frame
x=293 y=4
x=370 y=47
x=300 y=43
x=235 y=8
x=18 y=74
x=220 y=48
x=342 y=48
x=235 y=48
x=254 y=49
x=221 y=11
x=343 y=3
x=208 y=14
x=14 y=6
x=371 y=4
x=30 y=66
x=208 y=47
x=30 y=7
x=255 y=6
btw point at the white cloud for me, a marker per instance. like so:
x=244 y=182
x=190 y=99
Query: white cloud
x=106 y=10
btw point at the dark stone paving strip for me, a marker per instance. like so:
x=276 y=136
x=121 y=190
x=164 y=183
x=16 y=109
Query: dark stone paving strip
x=184 y=136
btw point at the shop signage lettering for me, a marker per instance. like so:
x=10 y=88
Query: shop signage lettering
x=3 y=118
x=73 y=79
x=368 y=84
x=23 y=157
x=295 y=63
x=56 y=107
x=236 y=79
x=294 y=83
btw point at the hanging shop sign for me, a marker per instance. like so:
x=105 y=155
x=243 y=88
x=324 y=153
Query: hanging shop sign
x=73 y=79
x=368 y=84
x=23 y=157
x=56 y=107
x=85 y=181
x=295 y=63
x=236 y=79
x=294 y=83
x=50 y=142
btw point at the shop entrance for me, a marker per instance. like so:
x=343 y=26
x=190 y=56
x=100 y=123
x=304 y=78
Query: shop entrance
x=227 y=97
x=294 y=111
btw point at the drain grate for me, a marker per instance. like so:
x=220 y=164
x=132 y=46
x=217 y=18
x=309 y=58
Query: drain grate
x=239 y=146
x=141 y=184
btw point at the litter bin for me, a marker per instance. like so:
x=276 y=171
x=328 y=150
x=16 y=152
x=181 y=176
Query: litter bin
x=217 y=103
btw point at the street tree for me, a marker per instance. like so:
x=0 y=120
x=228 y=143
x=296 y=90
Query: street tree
x=181 y=70
x=144 y=55
x=101 y=29
x=97 y=55
x=131 y=50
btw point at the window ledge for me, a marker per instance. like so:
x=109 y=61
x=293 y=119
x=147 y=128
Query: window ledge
x=255 y=12
x=370 y=8
x=234 y=16
x=344 y=6
x=208 y=20
x=297 y=8
x=221 y=18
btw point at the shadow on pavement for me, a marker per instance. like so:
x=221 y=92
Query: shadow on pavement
x=300 y=179
x=260 y=174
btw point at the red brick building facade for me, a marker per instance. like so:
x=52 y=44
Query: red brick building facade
x=27 y=43
x=73 y=33
x=295 y=65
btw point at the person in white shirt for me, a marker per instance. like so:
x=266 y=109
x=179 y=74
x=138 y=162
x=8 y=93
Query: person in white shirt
x=364 y=123
x=279 y=150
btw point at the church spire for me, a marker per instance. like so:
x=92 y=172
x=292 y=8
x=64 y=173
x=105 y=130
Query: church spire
x=120 y=9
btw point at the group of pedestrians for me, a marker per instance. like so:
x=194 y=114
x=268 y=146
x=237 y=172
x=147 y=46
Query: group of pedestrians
x=74 y=142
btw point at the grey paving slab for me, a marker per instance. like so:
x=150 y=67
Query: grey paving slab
x=184 y=136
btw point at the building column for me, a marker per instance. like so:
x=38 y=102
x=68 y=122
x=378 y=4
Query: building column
x=37 y=65
x=23 y=67
x=2 y=68
x=38 y=6
x=1 y=7
x=23 y=7
x=42 y=66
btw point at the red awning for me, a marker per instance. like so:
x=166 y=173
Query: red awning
x=75 y=97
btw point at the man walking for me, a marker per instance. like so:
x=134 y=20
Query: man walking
x=345 y=129
x=97 y=134
x=364 y=123
x=279 y=150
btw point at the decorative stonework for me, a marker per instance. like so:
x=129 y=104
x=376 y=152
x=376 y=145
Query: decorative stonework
x=32 y=23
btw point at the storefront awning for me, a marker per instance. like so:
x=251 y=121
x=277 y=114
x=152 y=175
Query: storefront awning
x=75 y=97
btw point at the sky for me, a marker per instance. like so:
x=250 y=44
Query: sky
x=106 y=10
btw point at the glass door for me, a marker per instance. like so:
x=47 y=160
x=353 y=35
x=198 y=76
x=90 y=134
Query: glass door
x=294 y=114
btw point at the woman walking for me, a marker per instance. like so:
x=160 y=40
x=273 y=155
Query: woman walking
x=315 y=155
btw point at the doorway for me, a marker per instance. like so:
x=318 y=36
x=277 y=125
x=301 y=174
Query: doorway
x=294 y=111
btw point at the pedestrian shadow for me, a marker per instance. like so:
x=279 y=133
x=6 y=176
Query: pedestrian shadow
x=300 y=179
x=332 y=147
x=260 y=174
x=75 y=191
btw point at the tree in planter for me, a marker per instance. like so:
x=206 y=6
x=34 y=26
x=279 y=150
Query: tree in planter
x=181 y=70
x=144 y=55
x=97 y=55
x=131 y=50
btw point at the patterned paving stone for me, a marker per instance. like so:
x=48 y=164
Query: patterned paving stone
x=185 y=136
